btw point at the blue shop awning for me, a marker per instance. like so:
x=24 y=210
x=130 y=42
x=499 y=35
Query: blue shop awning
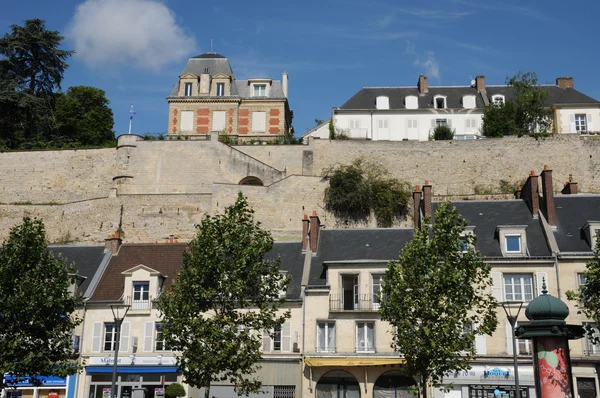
x=133 y=369
x=27 y=382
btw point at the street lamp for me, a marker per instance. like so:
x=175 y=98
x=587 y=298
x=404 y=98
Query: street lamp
x=119 y=311
x=512 y=310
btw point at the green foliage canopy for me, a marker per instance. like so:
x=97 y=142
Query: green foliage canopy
x=36 y=316
x=175 y=390
x=437 y=289
x=362 y=187
x=443 y=133
x=226 y=294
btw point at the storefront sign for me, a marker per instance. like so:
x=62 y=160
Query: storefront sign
x=491 y=375
x=44 y=380
x=349 y=361
x=133 y=360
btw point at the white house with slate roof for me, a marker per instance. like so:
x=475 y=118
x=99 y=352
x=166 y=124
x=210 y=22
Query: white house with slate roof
x=412 y=113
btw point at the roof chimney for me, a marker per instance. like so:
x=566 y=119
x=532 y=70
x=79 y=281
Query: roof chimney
x=422 y=85
x=427 y=199
x=565 y=82
x=480 y=83
x=518 y=192
x=548 y=192
x=113 y=243
x=570 y=187
x=284 y=84
x=530 y=193
x=315 y=229
x=417 y=207
x=305 y=225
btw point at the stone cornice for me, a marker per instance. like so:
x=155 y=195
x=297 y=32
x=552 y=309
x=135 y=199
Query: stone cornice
x=200 y=100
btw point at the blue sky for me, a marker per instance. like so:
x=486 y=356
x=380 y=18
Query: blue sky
x=135 y=49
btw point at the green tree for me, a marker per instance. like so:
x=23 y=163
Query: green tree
x=83 y=116
x=33 y=62
x=226 y=294
x=442 y=133
x=526 y=113
x=437 y=297
x=331 y=130
x=588 y=296
x=37 y=305
x=361 y=188
x=175 y=390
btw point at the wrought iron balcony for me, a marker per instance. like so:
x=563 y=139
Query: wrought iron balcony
x=362 y=302
x=139 y=305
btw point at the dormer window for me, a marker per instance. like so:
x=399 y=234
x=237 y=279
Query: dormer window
x=188 y=89
x=468 y=102
x=220 y=89
x=260 y=90
x=411 y=102
x=591 y=230
x=465 y=239
x=513 y=240
x=498 y=99
x=439 y=102
x=382 y=102
x=141 y=296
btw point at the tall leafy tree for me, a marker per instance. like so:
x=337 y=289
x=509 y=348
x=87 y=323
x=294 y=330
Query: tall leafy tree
x=588 y=296
x=36 y=306
x=83 y=116
x=32 y=66
x=438 y=297
x=226 y=294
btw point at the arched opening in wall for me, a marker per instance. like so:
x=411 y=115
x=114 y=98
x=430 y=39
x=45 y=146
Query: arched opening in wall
x=337 y=384
x=250 y=180
x=393 y=384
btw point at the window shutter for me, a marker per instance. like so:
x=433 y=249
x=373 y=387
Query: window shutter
x=480 y=342
x=508 y=333
x=572 y=128
x=148 y=333
x=259 y=121
x=286 y=337
x=497 y=285
x=218 y=121
x=266 y=340
x=539 y=278
x=124 y=343
x=449 y=122
x=187 y=120
x=433 y=123
x=96 y=336
x=590 y=126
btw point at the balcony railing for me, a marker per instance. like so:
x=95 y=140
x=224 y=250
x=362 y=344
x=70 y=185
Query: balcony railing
x=364 y=302
x=139 y=305
x=329 y=350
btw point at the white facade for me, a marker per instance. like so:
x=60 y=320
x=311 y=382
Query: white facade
x=577 y=120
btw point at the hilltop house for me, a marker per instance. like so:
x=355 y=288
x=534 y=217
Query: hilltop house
x=413 y=112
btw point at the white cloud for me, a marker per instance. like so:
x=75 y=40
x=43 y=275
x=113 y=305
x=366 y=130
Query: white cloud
x=143 y=33
x=430 y=64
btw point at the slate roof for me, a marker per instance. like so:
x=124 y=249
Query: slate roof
x=85 y=259
x=365 y=98
x=165 y=258
x=486 y=216
x=572 y=212
x=339 y=245
x=292 y=261
x=276 y=90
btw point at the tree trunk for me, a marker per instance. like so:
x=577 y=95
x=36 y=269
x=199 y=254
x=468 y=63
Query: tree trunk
x=207 y=390
x=424 y=385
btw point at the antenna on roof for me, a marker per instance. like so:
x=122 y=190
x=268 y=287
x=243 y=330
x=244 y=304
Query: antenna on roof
x=472 y=80
x=211 y=44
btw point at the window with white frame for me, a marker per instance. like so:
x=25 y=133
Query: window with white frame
x=220 y=89
x=411 y=102
x=110 y=336
x=141 y=296
x=518 y=287
x=439 y=102
x=259 y=90
x=523 y=345
x=580 y=280
x=277 y=339
x=498 y=99
x=513 y=243
x=441 y=122
x=188 y=89
x=377 y=290
x=580 y=123
x=159 y=338
x=384 y=123
x=471 y=124
x=218 y=121
x=326 y=336
x=354 y=124
x=412 y=124
x=365 y=336
x=187 y=120
x=592 y=339
x=259 y=121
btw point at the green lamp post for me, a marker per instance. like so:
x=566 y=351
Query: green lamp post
x=550 y=335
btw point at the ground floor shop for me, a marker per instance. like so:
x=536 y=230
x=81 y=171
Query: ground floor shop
x=51 y=387
x=142 y=377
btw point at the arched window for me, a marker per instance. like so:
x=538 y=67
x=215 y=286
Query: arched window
x=468 y=102
x=382 y=102
x=411 y=102
x=250 y=180
x=439 y=102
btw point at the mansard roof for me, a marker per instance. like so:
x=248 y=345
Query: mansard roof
x=87 y=260
x=366 y=97
x=572 y=214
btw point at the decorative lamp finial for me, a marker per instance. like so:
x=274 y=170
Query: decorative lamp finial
x=544 y=290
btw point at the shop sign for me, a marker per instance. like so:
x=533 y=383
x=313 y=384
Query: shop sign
x=44 y=380
x=485 y=374
x=133 y=360
x=497 y=374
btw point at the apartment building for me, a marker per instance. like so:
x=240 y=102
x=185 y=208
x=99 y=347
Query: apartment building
x=207 y=97
x=413 y=112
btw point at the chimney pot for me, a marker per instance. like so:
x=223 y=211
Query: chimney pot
x=422 y=85
x=417 y=207
x=427 y=209
x=113 y=243
x=305 y=229
x=532 y=173
x=548 y=191
x=315 y=229
x=565 y=82
x=480 y=83
x=530 y=194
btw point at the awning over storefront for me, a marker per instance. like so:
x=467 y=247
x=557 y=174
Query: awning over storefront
x=133 y=369
x=53 y=381
x=352 y=361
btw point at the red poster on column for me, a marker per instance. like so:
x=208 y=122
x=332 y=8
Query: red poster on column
x=53 y=394
x=553 y=371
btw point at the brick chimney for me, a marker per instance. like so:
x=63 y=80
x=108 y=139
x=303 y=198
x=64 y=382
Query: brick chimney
x=548 y=192
x=417 y=207
x=427 y=199
x=530 y=193
x=315 y=229
x=113 y=243
x=570 y=187
x=422 y=85
x=518 y=192
x=284 y=84
x=480 y=83
x=305 y=225
x=565 y=82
